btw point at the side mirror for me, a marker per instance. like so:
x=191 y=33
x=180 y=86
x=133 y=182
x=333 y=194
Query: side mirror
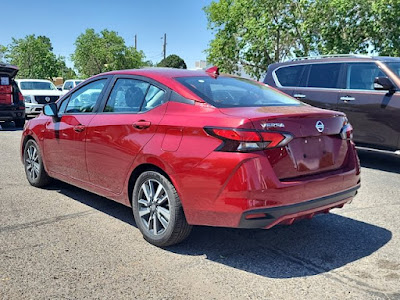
x=59 y=88
x=51 y=110
x=385 y=84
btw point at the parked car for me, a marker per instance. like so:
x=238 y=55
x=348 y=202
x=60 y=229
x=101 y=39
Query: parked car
x=12 y=107
x=37 y=92
x=190 y=148
x=365 y=88
x=70 y=84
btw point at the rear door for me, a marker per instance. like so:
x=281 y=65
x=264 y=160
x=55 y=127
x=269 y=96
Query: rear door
x=320 y=85
x=65 y=138
x=373 y=114
x=117 y=135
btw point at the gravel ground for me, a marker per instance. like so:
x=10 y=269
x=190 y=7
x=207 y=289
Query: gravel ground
x=65 y=243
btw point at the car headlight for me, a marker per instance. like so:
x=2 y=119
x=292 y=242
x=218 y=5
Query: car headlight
x=28 y=99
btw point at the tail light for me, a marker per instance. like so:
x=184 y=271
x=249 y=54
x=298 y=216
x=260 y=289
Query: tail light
x=20 y=96
x=347 y=132
x=245 y=140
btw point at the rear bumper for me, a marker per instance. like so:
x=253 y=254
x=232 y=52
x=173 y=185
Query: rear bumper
x=226 y=187
x=269 y=217
x=9 y=115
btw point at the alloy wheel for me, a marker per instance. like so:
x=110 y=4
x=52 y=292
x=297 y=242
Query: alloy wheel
x=154 y=207
x=32 y=163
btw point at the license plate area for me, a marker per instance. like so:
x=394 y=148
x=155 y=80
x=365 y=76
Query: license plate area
x=312 y=153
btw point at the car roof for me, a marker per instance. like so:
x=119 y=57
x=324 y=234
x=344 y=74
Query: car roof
x=40 y=80
x=165 y=72
x=166 y=76
x=339 y=58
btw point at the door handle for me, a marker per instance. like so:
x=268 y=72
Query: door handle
x=300 y=96
x=142 y=124
x=347 y=98
x=79 y=128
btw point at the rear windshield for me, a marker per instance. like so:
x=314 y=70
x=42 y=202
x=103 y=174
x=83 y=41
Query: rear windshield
x=235 y=92
x=395 y=67
x=37 y=85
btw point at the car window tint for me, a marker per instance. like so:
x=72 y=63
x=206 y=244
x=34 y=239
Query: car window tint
x=68 y=85
x=395 y=67
x=127 y=96
x=235 y=92
x=361 y=76
x=290 y=76
x=63 y=105
x=84 y=99
x=154 y=98
x=324 y=75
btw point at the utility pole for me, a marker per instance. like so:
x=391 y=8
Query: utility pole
x=165 y=46
x=135 y=42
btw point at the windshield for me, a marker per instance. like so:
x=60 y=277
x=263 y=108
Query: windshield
x=78 y=82
x=37 y=85
x=235 y=92
x=394 y=66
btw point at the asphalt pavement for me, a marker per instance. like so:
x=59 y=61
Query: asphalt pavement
x=65 y=243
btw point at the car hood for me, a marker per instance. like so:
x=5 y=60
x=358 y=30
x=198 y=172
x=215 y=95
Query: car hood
x=41 y=93
x=9 y=70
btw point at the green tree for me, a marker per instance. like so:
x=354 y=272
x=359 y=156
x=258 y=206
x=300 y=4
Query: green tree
x=34 y=56
x=385 y=25
x=172 y=61
x=64 y=71
x=257 y=33
x=105 y=51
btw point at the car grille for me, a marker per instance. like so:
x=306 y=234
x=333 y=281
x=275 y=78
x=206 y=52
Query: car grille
x=46 y=99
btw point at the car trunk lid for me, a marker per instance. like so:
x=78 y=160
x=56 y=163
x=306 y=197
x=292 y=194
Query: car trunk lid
x=316 y=146
x=9 y=70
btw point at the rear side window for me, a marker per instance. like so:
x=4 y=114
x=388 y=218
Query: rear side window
x=324 y=75
x=361 y=76
x=235 y=92
x=290 y=76
x=127 y=96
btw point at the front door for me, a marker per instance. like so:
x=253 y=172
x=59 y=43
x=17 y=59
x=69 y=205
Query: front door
x=373 y=114
x=118 y=134
x=65 y=138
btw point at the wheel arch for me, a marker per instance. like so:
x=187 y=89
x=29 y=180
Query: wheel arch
x=138 y=171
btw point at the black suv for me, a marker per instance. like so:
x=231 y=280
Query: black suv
x=12 y=106
x=366 y=88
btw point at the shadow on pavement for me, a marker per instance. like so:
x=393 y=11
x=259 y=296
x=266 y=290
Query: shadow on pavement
x=380 y=161
x=9 y=126
x=306 y=248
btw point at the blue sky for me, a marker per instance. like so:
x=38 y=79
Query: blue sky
x=183 y=21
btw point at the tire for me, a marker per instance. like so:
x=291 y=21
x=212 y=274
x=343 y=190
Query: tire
x=19 y=122
x=33 y=163
x=158 y=210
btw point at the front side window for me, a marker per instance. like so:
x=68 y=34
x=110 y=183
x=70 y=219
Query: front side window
x=324 y=75
x=235 y=92
x=290 y=76
x=68 y=85
x=361 y=76
x=84 y=99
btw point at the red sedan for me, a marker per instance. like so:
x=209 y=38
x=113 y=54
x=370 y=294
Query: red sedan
x=187 y=148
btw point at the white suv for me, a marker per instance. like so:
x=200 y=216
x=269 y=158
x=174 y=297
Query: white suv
x=70 y=84
x=37 y=93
